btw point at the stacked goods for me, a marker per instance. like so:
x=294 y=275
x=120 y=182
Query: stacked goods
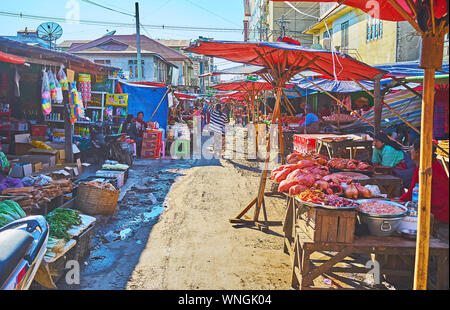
x=347 y=164
x=343 y=118
x=60 y=221
x=33 y=196
x=9 y=212
x=444 y=145
x=151 y=144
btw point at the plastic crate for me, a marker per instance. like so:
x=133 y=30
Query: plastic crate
x=304 y=145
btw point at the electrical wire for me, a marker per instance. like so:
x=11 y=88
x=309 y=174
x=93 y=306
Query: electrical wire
x=108 y=8
x=117 y=24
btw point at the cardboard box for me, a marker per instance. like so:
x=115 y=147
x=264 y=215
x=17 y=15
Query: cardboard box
x=37 y=167
x=22 y=148
x=23 y=138
x=20 y=171
x=44 y=159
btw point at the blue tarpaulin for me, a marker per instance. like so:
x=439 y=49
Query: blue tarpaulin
x=145 y=99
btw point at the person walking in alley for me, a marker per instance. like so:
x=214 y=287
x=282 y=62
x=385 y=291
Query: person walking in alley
x=217 y=126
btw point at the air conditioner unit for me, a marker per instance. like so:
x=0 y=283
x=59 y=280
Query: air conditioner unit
x=326 y=43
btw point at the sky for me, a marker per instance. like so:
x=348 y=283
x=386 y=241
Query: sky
x=221 y=14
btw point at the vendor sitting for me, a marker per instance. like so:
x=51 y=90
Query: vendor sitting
x=5 y=181
x=389 y=153
x=439 y=186
x=310 y=124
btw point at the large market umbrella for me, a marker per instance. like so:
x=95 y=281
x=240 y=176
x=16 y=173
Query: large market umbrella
x=430 y=19
x=282 y=61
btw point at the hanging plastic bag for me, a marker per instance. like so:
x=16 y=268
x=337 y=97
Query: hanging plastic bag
x=45 y=94
x=62 y=77
x=51 y=81
x=76 y=104
x=59 y=93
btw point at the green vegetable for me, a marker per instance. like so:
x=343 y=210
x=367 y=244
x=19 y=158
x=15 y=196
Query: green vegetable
x=5 y=219
x=6 y=209
x=16 y=207
x=60 y=220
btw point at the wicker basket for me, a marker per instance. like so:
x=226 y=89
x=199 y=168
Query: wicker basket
x=96 y=201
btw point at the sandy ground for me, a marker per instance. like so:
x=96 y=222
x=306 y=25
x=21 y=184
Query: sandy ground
x=194 y=246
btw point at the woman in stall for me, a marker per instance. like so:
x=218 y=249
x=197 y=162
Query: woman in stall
x=311 y=123
x=439 y=186
x=388 y=153
x=5 y=181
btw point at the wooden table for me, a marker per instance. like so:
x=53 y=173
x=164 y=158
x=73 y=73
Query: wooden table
x=299 y=245
x=390 y=185
x=336 y=149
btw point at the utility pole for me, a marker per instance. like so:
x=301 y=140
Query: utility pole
x=282 y=22
x=138 y=44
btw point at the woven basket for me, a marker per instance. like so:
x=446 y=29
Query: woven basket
x=96 y=201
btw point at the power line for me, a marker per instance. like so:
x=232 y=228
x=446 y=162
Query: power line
x=117 y=24
x=107 y=8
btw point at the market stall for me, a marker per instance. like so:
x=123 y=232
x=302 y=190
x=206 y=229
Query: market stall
x=341 y=206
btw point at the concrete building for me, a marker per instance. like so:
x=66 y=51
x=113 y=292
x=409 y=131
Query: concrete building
x=269 y=20
x=370 y=40
x=159 y=63
x=200 y=65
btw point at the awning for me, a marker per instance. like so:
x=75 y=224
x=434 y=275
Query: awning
x=182 y=96
x=327 y=64
x=385 y=10
x=11 y=59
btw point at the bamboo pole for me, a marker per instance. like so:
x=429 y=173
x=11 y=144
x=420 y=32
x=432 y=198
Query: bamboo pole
x=425 y=176
x=262 y=184
x=377 y=101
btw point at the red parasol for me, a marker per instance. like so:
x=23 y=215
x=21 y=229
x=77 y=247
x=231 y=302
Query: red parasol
x=386 y=10
x=329 y=65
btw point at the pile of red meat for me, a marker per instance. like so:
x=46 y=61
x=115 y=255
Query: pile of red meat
x=340 y=163
x=306 y=174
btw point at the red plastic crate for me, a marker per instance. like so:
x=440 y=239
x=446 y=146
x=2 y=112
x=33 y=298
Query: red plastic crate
x=304 y=145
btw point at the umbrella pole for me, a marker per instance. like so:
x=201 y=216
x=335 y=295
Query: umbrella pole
x=425 y=176
x=259 y=200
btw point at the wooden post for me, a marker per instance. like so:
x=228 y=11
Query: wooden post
x=425 y=175
x=430 y=60
x=67 y=129
x=378 y=109
x=262 y=184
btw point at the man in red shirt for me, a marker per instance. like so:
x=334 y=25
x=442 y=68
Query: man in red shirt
x=439 y=187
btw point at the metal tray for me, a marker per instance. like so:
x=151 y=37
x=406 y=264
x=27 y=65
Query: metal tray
x=314 y=205
x=361 y=201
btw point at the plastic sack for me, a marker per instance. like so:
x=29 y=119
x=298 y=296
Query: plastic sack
x=375 y=190
x=62 y=77
x=59 y=93
x=45 y=94
x=52 y=84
